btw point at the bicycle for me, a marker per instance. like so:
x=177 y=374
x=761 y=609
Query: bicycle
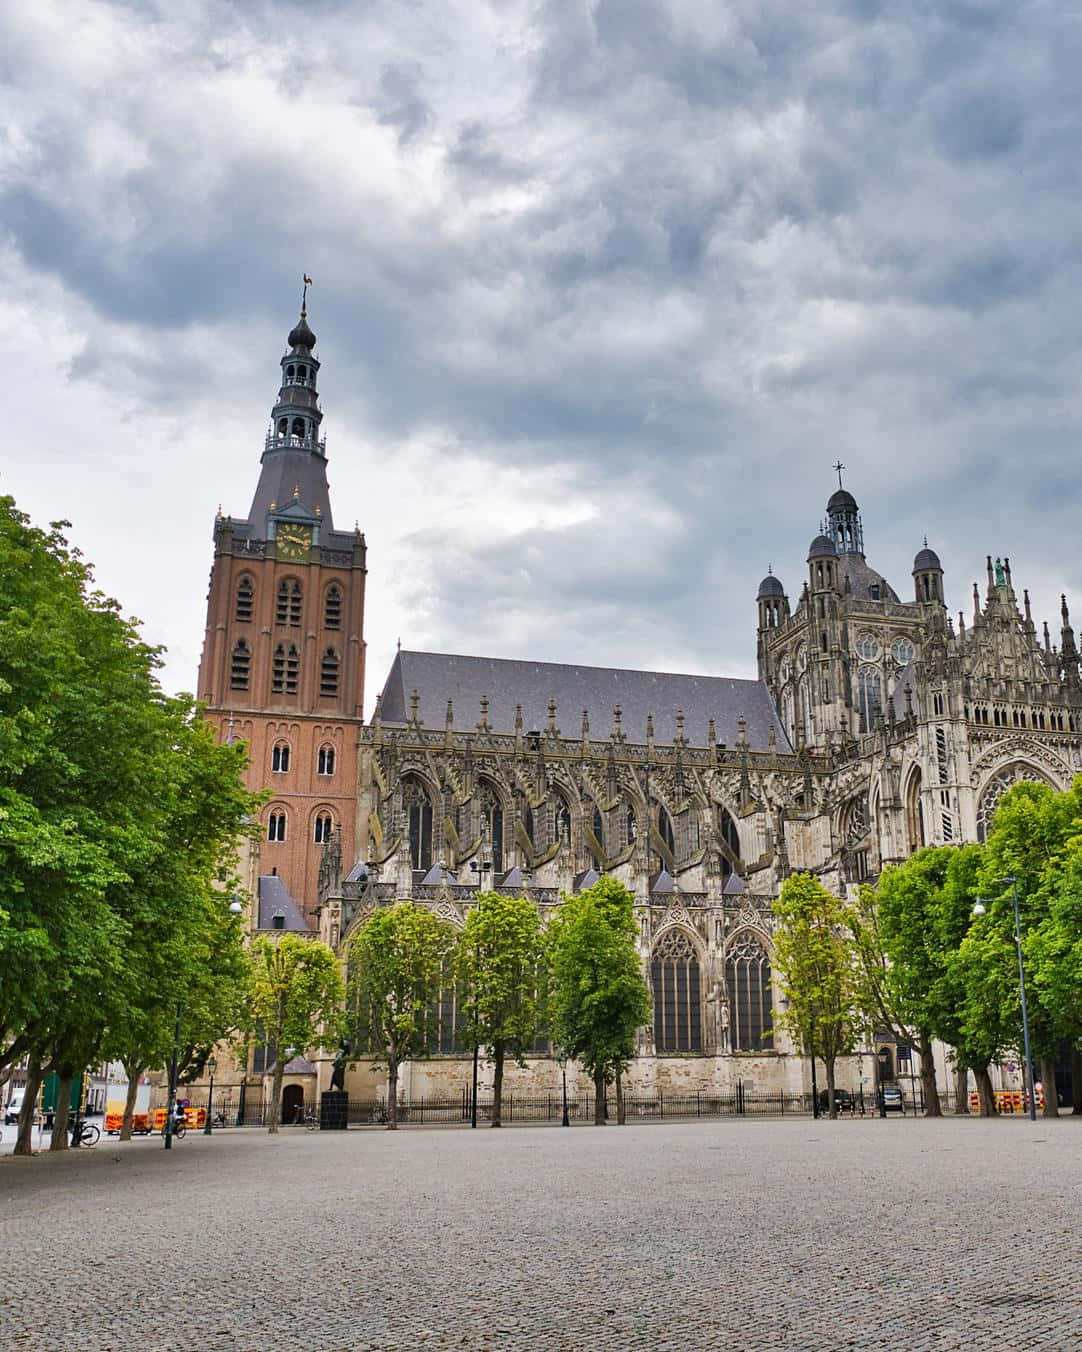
x=307 y=1118
x=180 y=1130
x=84 y=1133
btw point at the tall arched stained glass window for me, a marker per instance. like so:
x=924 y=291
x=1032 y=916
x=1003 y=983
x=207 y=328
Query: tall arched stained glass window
x=747 y=979
x=869 y=697
x=675 y=978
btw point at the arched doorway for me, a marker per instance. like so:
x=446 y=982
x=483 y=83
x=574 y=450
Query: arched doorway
x=292 y=1103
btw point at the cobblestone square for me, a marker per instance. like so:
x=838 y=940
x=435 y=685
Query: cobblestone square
x=788 y=1234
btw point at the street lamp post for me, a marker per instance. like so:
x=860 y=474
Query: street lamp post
x=480 y=867
x=562 y=1059
x=212 y=1066
x=979 y=909
x=171 y=1108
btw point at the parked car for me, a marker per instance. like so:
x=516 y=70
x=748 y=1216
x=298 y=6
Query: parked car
x=843 y=1100
x=893 y=1099
x=15 y=1103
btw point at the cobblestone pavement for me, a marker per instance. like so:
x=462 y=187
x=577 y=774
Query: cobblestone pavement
x=790 y=1234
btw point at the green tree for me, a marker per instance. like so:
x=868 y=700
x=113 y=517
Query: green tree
x=295 y=1001
x=597 y=998
x=395 y=965
x=817 y=972
x=909 y=930
x=92 y=793
x=1030 y=841
x=499 y=965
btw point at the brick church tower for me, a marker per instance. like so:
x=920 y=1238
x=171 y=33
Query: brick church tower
x=283 y=655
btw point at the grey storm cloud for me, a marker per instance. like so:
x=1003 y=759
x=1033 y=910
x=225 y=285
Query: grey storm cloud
x=667 y=259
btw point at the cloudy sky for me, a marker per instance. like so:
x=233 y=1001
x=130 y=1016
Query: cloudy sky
x=602 y=288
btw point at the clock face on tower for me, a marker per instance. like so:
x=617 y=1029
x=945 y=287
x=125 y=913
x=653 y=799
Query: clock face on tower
x=293 y=542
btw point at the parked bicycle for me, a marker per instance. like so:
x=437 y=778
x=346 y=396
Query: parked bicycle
x=306 y=1117
x=84 y=1133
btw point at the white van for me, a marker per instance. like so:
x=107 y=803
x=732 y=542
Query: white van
x=15 y=1103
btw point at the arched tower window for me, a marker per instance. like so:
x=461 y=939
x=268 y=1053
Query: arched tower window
x=245 y=600
x=291 y=371
x=280 y=758
x=288 y=607
x=324 y=826
x=332 y=607
x=283 y=427
x=298 y=427
x=276 y=825
x=325 y=760
x=869 y=697
x=285 y=670
x=747 y=981
x=328 y=673
x=239 y=666
x=675 y=977
x=418 y=811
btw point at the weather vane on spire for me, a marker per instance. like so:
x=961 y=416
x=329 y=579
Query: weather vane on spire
x=839 y=467
x=304 y=293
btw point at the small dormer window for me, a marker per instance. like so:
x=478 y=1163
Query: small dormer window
x=278 y=920
x=873 y=591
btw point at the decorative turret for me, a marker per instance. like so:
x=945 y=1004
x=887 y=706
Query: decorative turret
x=843 y=518
x=1068 y=651
x=773 y=602
x=927 y=576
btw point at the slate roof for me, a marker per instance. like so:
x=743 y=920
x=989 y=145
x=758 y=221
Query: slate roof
x=862 y=578
x=273 y=897
x=281 y=470
x=438 y=677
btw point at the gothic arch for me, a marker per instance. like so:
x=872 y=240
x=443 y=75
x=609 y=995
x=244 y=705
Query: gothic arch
x=997 y=784
x=493 y=803
x=418 y=818
x=749 y=990
x=676 y=982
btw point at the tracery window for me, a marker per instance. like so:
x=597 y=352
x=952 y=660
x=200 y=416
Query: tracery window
x=675 y=978
x=328 y=673
x=994 y=790
x=245 y=599
x=288 y=603
x=240 y=665
x=446 y=1015
x=418 y=812
x=325 y=761
x=332 y=607
x=276 y=826
x=914 y=812
x=280 y=758
x=747 y=980
x=855 y=818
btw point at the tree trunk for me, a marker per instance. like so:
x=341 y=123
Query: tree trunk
x=932 y=1106
x=59 y=1139
x=961 y=1090
x=497 y=1084
x=276 y=1095
x=832 y=1105
x=985 y=1092
x=24 y=1140
x=621 y=1116
x=1076 y=1082
x=392 y=1094
x=129 y=1101
x=1048 y=1081
x=599 y=1098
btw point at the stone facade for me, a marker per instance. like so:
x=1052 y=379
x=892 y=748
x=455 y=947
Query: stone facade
x=876 y=726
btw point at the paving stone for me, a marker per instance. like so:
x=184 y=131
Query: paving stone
x=789 y=1235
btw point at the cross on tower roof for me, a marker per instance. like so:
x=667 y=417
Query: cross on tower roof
x=839 y=467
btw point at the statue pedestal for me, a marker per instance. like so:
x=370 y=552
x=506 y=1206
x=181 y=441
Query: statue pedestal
x=333 y=1106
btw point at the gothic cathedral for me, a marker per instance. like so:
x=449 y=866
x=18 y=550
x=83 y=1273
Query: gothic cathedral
x=876 y=726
